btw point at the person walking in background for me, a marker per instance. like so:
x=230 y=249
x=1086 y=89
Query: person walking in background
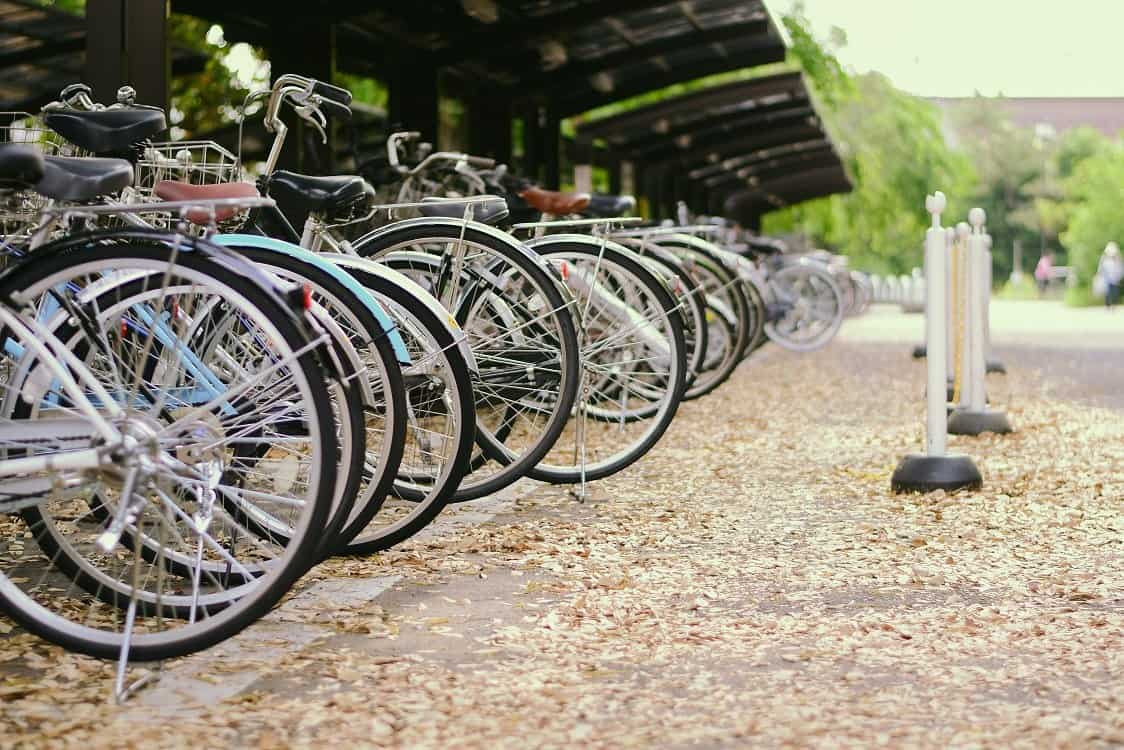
x=1111 y=271
x=1043 y=272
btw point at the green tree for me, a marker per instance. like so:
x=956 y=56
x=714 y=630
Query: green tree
x=206 y=101
x=895 y=152
x=1095 y=192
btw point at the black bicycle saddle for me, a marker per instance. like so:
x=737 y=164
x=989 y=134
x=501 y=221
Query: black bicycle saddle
x=106 y=131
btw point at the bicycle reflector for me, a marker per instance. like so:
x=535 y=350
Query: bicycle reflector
x=301 y=297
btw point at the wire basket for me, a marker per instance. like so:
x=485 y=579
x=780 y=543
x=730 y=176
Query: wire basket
x=20 y=209
x=194 y=162
x=21 y=127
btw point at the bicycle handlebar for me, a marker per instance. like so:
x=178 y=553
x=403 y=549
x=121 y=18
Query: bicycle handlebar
x=334 y=108
x=333 y=93
x=480 y=161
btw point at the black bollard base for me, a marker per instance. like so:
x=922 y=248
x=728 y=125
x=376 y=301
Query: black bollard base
x=996 y=366
x=919 y=351
x=920 y=473
x=965 y=422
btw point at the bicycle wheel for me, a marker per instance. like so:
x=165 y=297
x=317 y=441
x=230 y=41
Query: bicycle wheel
x=76 y=566
x=634 y=359
x=758 y=314
x=441 y=426
x=382 y=407
x=520 y=329
x=692 y=300
x=812 y=307
x=204 y=325
x=728 y=315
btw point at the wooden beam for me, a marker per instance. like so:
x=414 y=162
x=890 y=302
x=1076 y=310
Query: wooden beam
x=640 y=119
x=761 y=54
x=773 y=170
x=732 y=148
x=714 y=137
x=497 y=40
x=577 y=73
x=37 y=52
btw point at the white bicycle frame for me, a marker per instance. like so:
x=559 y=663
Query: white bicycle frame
x=59 y=362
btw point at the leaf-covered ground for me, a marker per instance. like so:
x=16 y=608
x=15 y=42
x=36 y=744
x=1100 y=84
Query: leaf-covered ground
x=751 y=583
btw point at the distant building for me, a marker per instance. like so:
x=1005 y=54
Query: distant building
x=1060 y=114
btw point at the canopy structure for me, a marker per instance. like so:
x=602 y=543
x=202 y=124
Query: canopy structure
x=759 y=140
x=518 y=68
x=538 y=61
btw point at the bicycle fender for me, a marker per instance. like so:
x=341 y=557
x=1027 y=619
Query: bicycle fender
x=258 y=242
x=421 y=295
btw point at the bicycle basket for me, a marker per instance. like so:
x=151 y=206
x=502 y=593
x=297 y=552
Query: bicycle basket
x=19 y=210
x=192 y=162
x=195 y=162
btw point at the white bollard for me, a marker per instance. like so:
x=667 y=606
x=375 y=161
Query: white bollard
x=950 y=350
x=977 y=294
x=994 y=364
x=972 y=416
x=936 y=318
x=935 y=469
x=964 y=308
x=914 y=301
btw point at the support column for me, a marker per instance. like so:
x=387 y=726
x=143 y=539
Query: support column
x=668 y=195
x=312 y=53
x=532 y=144
x=613 y=167
x=413 y=95
x=651 y=179
x=583 y=165
x=489 y=127
x=628 y=178
x=552 y=147
x=127 y=43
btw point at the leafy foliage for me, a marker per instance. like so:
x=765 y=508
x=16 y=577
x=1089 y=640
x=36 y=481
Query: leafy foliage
x=206 y=101
x=895 y=153
x=1095 y=193
x=1042 y=191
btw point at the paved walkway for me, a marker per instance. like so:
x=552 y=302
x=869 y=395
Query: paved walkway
x=1070 y=354
x=751 y=583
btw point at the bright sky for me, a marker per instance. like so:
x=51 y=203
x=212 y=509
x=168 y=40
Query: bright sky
x=956 y=47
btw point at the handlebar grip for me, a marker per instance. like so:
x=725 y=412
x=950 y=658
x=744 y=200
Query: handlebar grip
x=334 y=93
x=481 y=161
x=332 y=108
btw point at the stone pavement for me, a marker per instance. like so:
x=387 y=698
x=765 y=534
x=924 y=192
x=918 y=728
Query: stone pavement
x=752 y=582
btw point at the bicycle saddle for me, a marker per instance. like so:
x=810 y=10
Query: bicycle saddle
x=20 y=167
x=608 y=206
x=489 y=212
x=169 y=190
x=765 y=245
x=553 y=202
x=82 y=179
x=319 y=195
x=106 y=130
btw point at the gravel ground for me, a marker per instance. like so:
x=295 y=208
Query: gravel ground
x=751 y=583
